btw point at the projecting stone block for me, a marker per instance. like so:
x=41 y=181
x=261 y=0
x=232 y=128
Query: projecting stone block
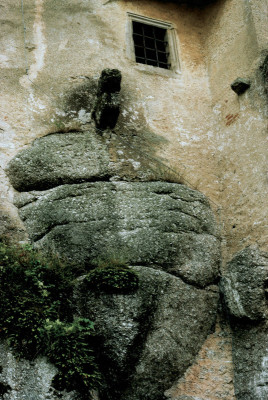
x=240 y=85
x=107 y=106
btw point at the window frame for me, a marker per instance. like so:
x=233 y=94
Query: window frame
x=172 y=45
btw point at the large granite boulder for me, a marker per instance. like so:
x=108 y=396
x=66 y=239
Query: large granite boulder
x=58 y=159
x=250 y=359
x=163 y=225
x=150 y=337
x=71 y=205
x=244 y=287
x=244 y=284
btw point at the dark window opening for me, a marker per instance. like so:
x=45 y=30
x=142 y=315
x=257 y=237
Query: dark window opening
x=151 y=46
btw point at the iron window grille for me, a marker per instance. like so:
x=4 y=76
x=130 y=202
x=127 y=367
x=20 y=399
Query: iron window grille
x=151 y=45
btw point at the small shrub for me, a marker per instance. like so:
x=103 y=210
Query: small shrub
x=36 y=316
x=70 y=348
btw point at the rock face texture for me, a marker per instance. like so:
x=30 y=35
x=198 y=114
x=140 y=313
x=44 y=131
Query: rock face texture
x=24 y=380
x=59 y=158
x=207 y=133
x=148 y=338
x=245 y=293
x=245 y=285
x=157 y=224
x=165 y=231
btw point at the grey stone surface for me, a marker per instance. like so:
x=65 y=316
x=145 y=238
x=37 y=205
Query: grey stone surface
x=75 y=157
x=150 y=337
x=28 y=380
x=59 y=158
x=166 y=231
x=250 y=358
x=245 y=294
x=244 y=284
x=163 y=225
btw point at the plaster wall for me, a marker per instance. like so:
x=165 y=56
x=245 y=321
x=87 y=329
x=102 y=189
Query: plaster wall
x=235 y=46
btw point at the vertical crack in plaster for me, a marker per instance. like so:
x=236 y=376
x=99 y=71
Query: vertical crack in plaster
x=39 y=40
x=40 y=45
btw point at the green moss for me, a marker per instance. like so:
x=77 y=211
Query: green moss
x=36 y=316
x=112 y=277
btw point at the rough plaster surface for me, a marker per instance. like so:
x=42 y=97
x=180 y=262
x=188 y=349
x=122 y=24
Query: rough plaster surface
x=236 y=43
x=211 y=375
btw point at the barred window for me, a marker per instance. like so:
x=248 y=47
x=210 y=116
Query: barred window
x=151 y=45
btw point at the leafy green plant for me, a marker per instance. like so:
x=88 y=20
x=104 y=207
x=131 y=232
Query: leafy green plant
x=36 y=316
x=70 y=347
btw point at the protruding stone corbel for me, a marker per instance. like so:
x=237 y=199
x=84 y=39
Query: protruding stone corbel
x=240 y=85
x=107 y=106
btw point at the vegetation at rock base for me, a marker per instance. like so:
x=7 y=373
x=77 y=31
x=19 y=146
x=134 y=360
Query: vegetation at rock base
x=36 y=317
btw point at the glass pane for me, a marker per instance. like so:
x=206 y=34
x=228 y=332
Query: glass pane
x=151 y=54
x=162 y=57
x=140 y=60
x=159 y=33
x=151 y=62
x=150 y=43
x=148 y=30
x=166 y=66
x=161 y=46
x=138 y=40
x=137 y=27
x=139 y=51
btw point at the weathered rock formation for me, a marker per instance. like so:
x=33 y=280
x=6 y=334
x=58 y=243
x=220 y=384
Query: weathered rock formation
x=158 y=224
x=245 y=292
x=149 y=338
x=245 y=285
x=163 y=225
x=60 y=158
x=166 y=231
x=21 y=379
